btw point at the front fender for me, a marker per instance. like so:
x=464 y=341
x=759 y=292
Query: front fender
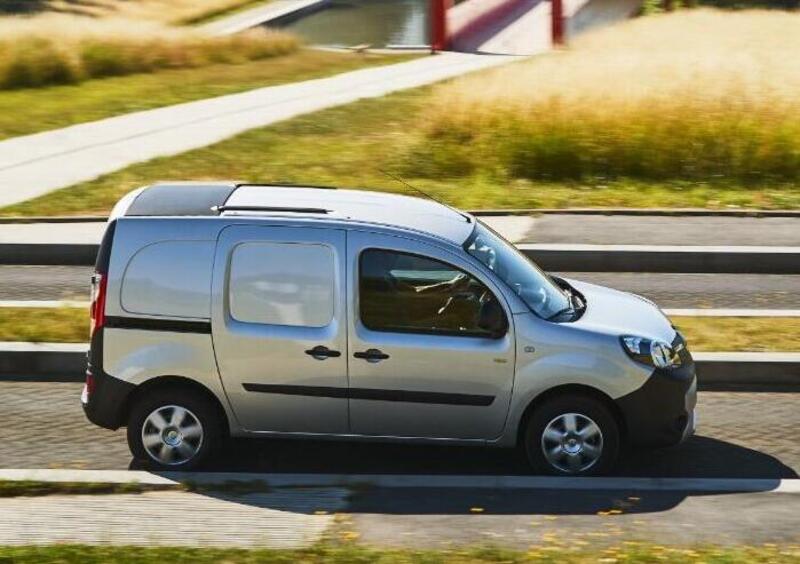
x=553 y=355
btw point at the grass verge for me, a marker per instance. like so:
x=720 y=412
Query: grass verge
x=32 y=488
x=350 y=145
x=728 y=334
x=752 y=334
x=44 y=325
x=349 y=553
x=32 y=110
x=165 y=11
x=35 y=488
x=53 y=49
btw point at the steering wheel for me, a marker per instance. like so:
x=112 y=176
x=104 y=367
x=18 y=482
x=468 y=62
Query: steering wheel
x=466 y=296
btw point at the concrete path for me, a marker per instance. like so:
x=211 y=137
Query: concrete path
x=36 y=164
x=400 y=511
x=276 y=519
x=273 y=11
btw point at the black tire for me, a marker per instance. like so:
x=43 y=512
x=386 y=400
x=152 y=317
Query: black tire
x=198 y=406
x=585 y=406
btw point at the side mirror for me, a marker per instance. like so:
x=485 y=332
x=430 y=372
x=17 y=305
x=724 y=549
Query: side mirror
x=492 y=319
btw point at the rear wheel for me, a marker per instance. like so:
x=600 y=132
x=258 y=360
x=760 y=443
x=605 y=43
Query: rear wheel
x=572 y=436
x=174 y=429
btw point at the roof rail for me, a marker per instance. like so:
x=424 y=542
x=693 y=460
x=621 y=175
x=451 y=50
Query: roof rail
x=285 y=185
x=223 y=208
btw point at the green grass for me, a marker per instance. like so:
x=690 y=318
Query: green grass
x=769 y=334
x=350 y=145
x=29 y=111
x=754 y=334
x=44 y=325
x=33 y=488
x=349 y=553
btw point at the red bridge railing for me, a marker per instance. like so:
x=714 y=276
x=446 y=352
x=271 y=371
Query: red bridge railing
x=444 y=31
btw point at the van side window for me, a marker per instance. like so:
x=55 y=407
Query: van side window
x=401 y=292
x=282 y=284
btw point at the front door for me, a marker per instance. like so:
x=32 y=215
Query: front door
x=278 y=324
x=419 y=364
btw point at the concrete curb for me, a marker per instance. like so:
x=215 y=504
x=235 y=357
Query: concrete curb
x=42 y=362
x=48 y=254
x=743 y=371
x=768 y=372
x=731 y=485
x=551 y=257
x=665 y=259
x=662 y=212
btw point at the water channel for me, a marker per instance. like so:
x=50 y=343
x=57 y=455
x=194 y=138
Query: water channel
x=365 y=22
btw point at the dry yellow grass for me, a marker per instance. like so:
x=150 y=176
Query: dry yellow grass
x=165 y=11
x=699 y=94
x=59 y=49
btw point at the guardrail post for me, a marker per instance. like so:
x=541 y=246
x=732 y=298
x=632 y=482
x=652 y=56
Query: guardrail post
x=557 y=15
x=438 y=15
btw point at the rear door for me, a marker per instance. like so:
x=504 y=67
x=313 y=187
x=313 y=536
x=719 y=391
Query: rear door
x=279 y=327
x=419 y=364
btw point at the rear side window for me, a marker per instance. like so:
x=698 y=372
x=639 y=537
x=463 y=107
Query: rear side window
x=169 y=278
x=400 y=292
x=282 y=284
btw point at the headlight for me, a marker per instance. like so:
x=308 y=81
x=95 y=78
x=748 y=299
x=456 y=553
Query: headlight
x=657 y=354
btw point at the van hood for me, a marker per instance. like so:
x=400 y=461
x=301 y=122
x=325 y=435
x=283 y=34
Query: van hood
x=618 y=313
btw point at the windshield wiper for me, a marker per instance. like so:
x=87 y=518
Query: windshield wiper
x=559 y=313
x=572 y=307
x=567 y=309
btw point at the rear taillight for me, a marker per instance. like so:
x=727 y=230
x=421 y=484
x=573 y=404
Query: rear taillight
x=88 y=387
x=98 y=308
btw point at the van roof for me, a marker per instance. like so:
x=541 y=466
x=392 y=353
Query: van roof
x=271 y=200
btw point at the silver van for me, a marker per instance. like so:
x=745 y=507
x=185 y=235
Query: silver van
x=226 y=309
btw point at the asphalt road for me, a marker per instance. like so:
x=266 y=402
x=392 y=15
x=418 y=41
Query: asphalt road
x=668 y=290
x=648 y=230
x=741 y=435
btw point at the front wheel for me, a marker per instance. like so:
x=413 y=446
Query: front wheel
x=173 y=429
x=572 y=436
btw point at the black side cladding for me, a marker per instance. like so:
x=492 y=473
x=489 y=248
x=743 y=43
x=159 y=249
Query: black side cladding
x=106 y=406
x=110 y=394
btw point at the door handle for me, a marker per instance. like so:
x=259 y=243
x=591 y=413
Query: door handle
x=372 y=355
x=321 y=352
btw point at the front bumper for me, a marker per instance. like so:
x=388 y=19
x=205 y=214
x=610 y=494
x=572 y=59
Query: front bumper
x=663 y=411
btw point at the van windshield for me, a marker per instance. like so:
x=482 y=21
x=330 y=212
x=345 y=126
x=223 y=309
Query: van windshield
x=529 y=282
